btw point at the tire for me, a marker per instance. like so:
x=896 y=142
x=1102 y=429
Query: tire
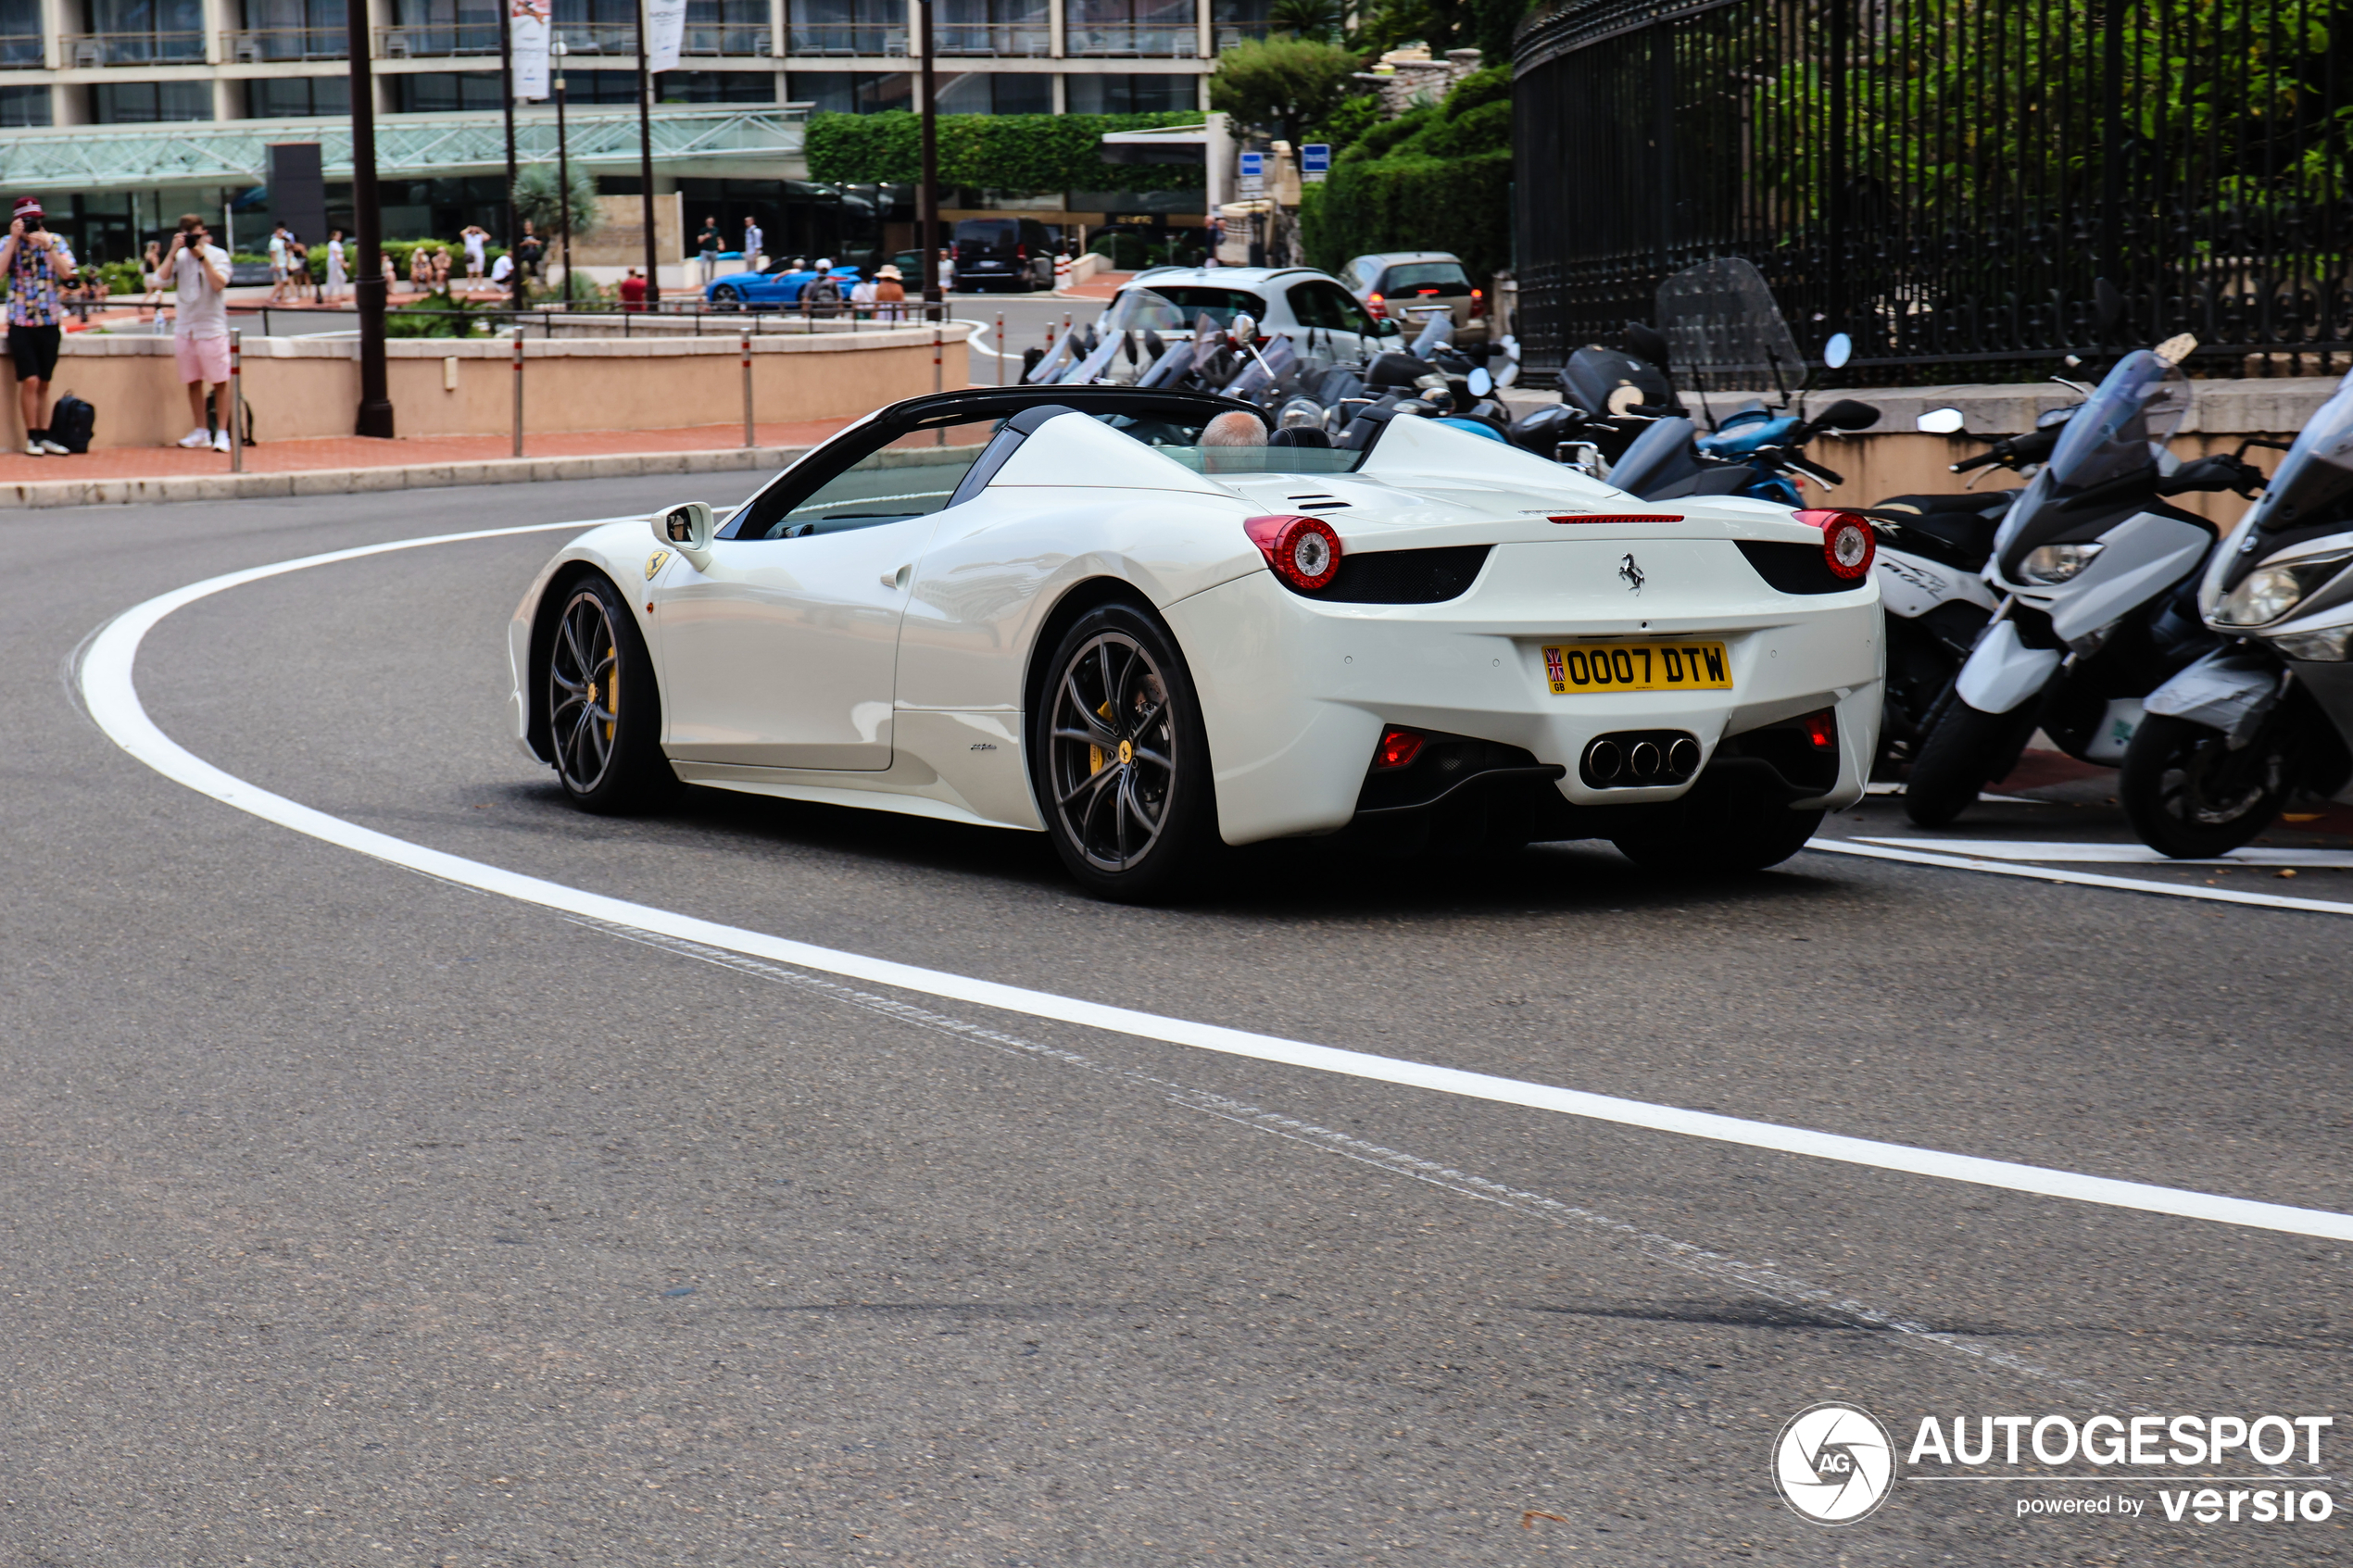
x=1122 y=763
x=2189 y=795
x=725 y=298
x=1965 y=751
x=1717 y=829
x=606 y=732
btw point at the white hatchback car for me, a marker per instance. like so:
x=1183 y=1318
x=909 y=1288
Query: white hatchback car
x=1324 y=320
x=1146 y=621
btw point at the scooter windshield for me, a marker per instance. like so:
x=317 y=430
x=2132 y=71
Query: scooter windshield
x=1724 y=329
x=2314 y=485
x=2128 y=418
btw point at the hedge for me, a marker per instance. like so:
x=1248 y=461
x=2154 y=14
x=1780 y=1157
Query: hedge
x=1014 y=152
x=1411 y=202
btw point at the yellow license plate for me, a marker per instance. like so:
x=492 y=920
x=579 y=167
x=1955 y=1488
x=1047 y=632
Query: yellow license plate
x=1636 y=667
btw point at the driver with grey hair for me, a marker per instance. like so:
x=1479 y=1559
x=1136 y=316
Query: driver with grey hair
x=1234 y=428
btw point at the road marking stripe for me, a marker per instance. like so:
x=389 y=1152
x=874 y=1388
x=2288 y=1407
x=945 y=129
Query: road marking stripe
x=2081 y=879
x=2114 y=854
x=108 y=689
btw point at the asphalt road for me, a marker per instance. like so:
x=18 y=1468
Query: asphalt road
x=354 y=1217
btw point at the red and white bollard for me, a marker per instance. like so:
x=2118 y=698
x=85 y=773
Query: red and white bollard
x=1063 y=265
x=747 y=343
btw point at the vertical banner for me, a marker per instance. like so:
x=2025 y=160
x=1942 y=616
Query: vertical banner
x=528 y=21
x=665 y=35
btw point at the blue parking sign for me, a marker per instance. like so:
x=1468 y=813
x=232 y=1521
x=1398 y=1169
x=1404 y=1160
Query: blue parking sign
x=1253 y=165
x=1315 y=158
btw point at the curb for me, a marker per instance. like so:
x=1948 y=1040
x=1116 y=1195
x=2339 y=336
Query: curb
x=413 y=476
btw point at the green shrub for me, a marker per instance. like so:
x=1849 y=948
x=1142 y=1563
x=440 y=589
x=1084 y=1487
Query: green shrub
x=1014 y=152
x=1436 y=178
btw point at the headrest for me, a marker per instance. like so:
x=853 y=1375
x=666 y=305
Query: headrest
x=1300 y=436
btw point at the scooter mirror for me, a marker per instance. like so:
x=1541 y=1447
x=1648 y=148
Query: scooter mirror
x=1646 y=343
x=1940 y=422
x=1838 y=351
x=1245 y=327
x=1480 y=382
x=2173 y=350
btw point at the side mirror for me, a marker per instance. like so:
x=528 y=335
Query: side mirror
x=1646 y=343
x=1245 y=327
x=1846 y=414
x=1386 y=328
x=1940 y=422
x=1480 y=382
x=686 y=527
x=1838 y=351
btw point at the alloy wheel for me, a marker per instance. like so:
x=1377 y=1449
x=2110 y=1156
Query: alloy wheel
x=583 y=692
x=1112 y=751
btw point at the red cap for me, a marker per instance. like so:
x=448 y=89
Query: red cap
x=29 y=206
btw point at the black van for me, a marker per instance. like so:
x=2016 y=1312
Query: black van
x=1016 y=254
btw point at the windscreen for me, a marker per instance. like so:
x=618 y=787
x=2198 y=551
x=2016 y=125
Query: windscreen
x=991 y=233
x=2314 y=485
x=1424 y=277
x=1228 y=443
x=1221 y=306
x=1724 y=330
x=2127 y=418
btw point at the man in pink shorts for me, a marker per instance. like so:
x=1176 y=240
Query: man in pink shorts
x=196 y=271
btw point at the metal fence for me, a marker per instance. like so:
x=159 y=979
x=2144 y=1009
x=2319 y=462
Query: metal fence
x=1972 y=188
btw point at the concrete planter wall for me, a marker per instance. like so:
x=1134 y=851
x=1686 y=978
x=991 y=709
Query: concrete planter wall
x=309 y=387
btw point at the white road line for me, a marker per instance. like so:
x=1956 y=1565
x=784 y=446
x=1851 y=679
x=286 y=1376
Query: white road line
x=113 y=698
x=2079 y=879
x=2114 y=854
x=1762 y=1279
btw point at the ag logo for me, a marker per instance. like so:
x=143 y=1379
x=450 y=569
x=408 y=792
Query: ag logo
x=1833 y=1464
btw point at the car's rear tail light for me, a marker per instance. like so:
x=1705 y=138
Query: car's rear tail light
x=1397 y=750
x=1021 y=253
x=1304 y=551
x=1373 y=303
x=1822 y=730
x=1479 y=304
x=1848 y=543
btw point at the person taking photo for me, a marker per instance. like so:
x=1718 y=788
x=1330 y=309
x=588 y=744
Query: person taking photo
x=196 y=271
x=38 y=268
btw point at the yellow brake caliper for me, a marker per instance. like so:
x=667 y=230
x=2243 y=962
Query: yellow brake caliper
x=1095 y=753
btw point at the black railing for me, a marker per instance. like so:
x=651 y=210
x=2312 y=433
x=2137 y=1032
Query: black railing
x=1972 y=189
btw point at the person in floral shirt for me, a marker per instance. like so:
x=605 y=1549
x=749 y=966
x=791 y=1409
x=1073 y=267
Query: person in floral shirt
x=39 y=267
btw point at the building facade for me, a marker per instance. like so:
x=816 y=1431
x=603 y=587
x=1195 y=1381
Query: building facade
x=117 y=65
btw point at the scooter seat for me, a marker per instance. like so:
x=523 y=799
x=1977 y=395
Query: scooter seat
x=1955 y=530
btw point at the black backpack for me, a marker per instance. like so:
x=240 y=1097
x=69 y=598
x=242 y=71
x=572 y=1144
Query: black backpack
x=73 y=422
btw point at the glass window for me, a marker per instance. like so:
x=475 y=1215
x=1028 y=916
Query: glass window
x=436 y=92
x=1129 y=27
x=1127 y=93
x=716 y=86
x=1426 y=277
x=1220 y=305
x=912 y=475
x=149 y=103
x=298 y=98
x=1328 y=306
x=851 y=92
x=845 y=27
x=24 y=105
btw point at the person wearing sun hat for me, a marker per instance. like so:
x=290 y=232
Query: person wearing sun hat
x=37 y=266
x=890 y=293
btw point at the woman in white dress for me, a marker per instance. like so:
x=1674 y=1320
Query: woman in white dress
x=335 y=276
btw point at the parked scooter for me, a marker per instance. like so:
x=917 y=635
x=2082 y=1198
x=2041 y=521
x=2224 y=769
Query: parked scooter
x=1930 y=566
x=1608 y=399
x=2095 y=574
x=2231 y=740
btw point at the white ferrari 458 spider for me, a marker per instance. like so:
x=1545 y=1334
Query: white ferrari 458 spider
x=1145 y=622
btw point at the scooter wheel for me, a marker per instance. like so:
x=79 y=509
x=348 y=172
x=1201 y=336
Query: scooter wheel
x=2188 y=795
x=1965 y=752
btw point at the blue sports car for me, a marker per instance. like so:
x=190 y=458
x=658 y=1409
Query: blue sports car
x=781 y=284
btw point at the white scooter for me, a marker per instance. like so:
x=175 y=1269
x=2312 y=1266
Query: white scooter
x=2269 y=715
x=2095 y=574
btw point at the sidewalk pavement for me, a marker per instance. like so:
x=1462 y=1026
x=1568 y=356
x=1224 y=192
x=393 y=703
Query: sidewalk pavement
x=341 y=465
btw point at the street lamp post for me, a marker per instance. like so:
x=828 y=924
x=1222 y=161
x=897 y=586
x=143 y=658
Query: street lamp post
x=367 y=288
x=564 y=170
x=645 y=160
x=928 y=193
